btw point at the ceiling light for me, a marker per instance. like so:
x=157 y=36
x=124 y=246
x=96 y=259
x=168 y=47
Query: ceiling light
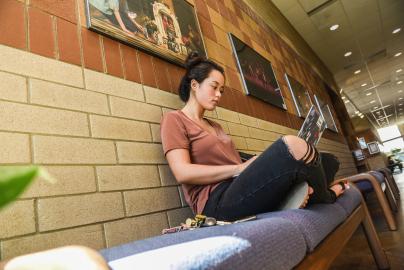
x=343 y=97
x=395 y=31
x=357 y=71
x=373 y=101
x=400 y=109
x=364 y=84
x=400 y=98
x=361 y=116
x=348 y=54
x=375 y=107
x=340 y=90
x=397 y=54
x=399 y=82
x=399 y=70
x=400 y=104
x=356 y=112
x=335 y=27
x=368 y=94
x=399 y=91
x=346 y=101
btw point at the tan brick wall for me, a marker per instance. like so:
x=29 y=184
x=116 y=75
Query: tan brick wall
x=99 y=137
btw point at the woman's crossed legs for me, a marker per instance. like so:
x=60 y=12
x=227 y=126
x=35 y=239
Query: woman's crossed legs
x=263 y=185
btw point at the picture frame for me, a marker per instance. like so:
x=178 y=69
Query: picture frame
x=373 y=148
x=326 y=113
x=169 y=30
x=358 y=154
x=258 y=77
x=300 y=95
x=362 y=143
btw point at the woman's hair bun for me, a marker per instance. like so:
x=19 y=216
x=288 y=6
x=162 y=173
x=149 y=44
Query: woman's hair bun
x=198 y=69
x=193 y=59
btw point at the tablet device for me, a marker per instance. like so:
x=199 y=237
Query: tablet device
x=313 y=127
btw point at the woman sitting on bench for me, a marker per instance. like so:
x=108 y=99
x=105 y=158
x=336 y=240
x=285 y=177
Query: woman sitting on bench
x=204 y=159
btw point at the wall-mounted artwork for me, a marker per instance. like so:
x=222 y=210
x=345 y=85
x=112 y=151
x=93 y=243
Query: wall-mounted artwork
x=169 y=30
x=362 y=143
x=301 y=96
x=326 y=113
x=257 y=74
x=373 y=148
x=358 y=154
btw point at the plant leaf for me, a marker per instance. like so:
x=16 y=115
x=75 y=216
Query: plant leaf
x=14 y=180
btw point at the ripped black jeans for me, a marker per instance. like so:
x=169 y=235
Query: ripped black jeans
x=265 y=182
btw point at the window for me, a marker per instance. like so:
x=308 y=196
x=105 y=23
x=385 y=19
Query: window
x=391 y=138
x=389 y=133
x=393 y=144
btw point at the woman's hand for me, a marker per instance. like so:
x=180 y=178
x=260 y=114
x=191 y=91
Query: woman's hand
x=337 y=188
x=243 y=166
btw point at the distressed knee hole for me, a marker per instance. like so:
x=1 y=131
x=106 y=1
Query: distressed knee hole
x=300 y=149
x=297 y=147
x=313 y=157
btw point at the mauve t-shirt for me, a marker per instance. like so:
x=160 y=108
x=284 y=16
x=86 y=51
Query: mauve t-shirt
x=178 y=131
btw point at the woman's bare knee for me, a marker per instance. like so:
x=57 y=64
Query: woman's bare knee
x=297 y=146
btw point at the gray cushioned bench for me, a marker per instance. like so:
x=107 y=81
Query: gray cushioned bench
x=308 y=238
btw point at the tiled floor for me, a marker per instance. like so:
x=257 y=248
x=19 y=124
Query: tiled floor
x=357 y=255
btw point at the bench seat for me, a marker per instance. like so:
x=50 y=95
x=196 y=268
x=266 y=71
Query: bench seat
x=276 y=240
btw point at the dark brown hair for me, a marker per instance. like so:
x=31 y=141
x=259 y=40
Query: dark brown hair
x=198 y=68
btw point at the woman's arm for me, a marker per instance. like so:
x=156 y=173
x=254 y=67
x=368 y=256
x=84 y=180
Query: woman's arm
x=187 y=173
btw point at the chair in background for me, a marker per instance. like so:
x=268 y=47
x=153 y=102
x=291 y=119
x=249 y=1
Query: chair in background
x=376 y=182
x=393 y=184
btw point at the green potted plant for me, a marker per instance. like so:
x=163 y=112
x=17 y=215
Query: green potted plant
x=14 y=180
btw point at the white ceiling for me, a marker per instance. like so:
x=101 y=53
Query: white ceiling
x=365 y=29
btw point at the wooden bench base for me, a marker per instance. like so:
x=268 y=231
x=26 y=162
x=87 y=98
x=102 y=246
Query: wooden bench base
x=381 y=197
x=328 y=250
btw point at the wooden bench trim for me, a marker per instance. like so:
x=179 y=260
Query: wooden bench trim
x=329 y=249
x=381 y=197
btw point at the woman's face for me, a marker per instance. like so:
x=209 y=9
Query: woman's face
x=209 y=91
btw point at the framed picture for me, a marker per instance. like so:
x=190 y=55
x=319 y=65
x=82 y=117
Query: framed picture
x=301 y=96
x=326 y=113
x=373 y=148
x=169 y=29
x=257 y=74
x=358 y=154
x=362 y=143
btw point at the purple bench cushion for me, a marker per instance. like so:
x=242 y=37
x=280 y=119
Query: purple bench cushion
x=350 y=200
x=276 y=243
x=366 y=187
x=278 y=240
x=315 y=221
x=378 y=175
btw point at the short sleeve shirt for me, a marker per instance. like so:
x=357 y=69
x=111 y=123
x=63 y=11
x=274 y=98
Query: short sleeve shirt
x=178 y=131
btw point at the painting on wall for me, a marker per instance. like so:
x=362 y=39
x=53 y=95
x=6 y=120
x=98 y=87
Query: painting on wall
x=257 y=74
x=362 y=143
x=373 y=148
x=301 y=96
x=168 y=28
x=326 y=113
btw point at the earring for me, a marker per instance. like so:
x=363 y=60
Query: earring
x=193 y=85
